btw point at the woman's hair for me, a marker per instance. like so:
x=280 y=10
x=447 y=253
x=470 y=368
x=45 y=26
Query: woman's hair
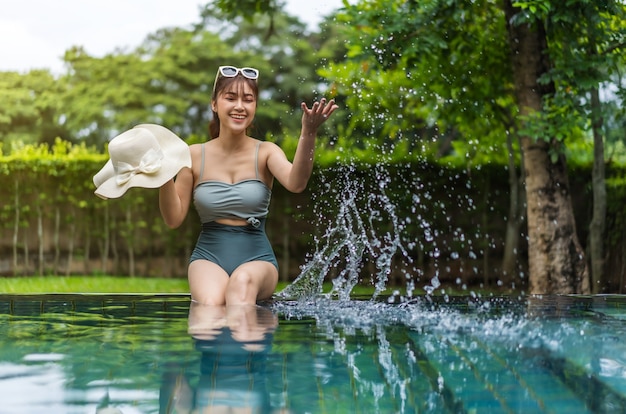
x=222 y=84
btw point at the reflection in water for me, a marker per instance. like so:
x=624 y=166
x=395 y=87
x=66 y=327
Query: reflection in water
x=433 y=355
x=234 y=342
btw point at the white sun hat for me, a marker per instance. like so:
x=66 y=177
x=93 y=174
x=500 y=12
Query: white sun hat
x=146 y=156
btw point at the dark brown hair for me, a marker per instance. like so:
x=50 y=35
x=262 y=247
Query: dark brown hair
x=222 y=84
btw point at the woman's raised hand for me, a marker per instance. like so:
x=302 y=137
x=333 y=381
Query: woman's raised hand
x=315 y=116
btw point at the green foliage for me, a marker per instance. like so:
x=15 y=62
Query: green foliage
x=416 y=72
x=438 y=72
x=248 y=8
x=29 y=108
x=435 y=74
x=92 y=284
x=538 y=7
x=586 y=47
x=168 y=79
x=559 y=123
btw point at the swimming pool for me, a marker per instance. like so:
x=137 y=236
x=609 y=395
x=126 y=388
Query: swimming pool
x=157 y=354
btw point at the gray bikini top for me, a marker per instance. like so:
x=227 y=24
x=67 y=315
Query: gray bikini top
x=247 y=199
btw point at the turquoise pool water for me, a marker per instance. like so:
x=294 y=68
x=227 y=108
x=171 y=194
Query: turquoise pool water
x=158 y=354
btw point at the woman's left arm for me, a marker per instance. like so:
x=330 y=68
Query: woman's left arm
x=295 y=176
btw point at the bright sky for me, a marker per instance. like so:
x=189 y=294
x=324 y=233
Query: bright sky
x=35 y=33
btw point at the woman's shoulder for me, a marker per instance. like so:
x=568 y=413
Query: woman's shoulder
x=268 y=145
x=268 y=148
x=194 y=149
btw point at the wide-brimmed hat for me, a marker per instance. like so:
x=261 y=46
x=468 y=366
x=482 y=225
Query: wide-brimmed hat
x=146 y=156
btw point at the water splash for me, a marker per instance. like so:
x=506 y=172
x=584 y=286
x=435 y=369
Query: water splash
x=390 y=225
x=365 y=230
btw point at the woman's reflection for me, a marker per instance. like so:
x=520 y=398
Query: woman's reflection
x=234 y=342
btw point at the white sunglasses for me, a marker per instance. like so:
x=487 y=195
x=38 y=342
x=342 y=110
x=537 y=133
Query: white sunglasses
x=232 y=71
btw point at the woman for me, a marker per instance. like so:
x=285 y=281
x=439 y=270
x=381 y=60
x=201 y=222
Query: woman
x=230 y=183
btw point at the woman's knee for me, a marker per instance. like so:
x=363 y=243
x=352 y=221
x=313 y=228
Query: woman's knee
x=207 y=283
x=241 y=277
x=257 y=274
x=250 y=282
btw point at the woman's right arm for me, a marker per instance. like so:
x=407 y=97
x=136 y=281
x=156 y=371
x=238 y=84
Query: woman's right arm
x=175 y=195
x=175 y=198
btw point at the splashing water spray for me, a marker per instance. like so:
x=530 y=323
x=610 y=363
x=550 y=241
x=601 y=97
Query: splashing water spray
x=385 y=221
x=364 y=229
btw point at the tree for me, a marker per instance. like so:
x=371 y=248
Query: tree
x=460 y=95
x=106 y=95
x=556 y=259
x=30 y=107
x=588 y=39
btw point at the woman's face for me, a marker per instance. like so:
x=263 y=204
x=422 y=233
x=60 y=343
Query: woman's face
x=235 y=106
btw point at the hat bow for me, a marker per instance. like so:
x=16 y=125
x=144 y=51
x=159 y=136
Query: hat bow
x=150 y=163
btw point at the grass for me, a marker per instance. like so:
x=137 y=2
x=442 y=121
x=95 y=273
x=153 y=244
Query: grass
x=126 y=284
x=112 y=284
x=95 y=284
x=91 y=284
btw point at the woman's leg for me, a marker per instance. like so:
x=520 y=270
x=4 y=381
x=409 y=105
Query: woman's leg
x=206 y=321
x=207 y=283
x=250 y=282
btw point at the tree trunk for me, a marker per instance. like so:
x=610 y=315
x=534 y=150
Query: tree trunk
x=622 y=264
x=56 y=236
x=40 y=240
x=556 y=260
x=284 y=267
x=87 y=252
x=16 y=225
x=130 y=241
x=514 y=219
x=26 y=254
x=106 y=246
x=70 y=247
x=486 y=236
x=598 y=221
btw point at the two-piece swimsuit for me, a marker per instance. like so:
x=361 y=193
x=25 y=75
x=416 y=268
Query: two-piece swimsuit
x=229 y=246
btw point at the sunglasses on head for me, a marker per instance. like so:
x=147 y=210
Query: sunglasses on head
x=232 y=71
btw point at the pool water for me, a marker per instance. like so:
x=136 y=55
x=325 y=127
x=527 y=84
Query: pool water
x=161 y=354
